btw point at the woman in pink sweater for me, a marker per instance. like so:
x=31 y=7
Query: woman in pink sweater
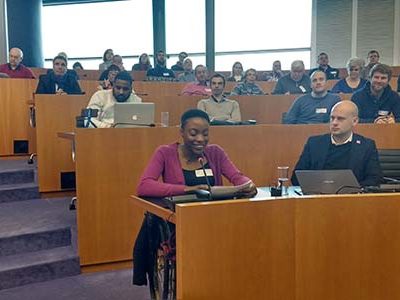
x=180 y=165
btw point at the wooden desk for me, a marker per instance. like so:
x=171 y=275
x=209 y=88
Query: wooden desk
x=109 y=163
x=14 y=112
x=55 y=114
x=318 y=247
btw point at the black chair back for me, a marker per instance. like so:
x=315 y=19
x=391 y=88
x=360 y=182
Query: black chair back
x=389 y=160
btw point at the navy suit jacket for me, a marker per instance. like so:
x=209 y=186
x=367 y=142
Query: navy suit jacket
x=47 y=85
x=363 y=158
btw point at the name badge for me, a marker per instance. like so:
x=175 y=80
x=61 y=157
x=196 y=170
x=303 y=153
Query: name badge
x=200 y=173
x=321 y=110
x=383 y=113
x=166 y=74
x=303 y=90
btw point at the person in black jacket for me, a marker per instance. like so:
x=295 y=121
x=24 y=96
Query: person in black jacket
x=58 y=81
x=342 y=149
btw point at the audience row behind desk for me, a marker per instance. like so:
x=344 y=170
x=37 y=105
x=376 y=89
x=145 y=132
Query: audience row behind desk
x=376 y=101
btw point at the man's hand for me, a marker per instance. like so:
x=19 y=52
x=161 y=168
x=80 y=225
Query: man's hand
x=60 y=92
x=385 y=119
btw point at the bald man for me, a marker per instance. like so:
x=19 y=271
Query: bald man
x=342 y=149
x=15 y=69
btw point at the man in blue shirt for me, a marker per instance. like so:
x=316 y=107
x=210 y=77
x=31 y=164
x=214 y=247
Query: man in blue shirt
x=160 y=71
x=314 y=107
x=323 y=61
x=377 y=102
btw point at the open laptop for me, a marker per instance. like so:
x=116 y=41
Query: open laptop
x=134 y=114
x=327 y=182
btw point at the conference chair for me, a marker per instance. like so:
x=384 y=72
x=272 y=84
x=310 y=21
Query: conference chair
x=389 y=160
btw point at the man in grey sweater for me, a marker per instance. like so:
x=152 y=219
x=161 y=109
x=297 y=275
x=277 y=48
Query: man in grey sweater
x=314 y=107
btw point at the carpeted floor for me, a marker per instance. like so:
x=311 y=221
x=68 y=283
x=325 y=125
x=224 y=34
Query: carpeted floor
x=93 y=286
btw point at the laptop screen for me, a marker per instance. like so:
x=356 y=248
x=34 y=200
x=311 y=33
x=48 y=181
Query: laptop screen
x=327 y=182
x=133 y=114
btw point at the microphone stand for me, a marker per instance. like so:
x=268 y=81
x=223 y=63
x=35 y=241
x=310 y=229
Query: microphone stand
x=201 y=161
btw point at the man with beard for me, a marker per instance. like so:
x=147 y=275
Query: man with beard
x=160 y=70
x=376 y=102
x=104 y=100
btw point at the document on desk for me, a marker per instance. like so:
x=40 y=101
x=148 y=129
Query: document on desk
x=228 y=191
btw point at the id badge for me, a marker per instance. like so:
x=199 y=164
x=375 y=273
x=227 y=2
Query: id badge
x=303 y=90
x=200 y=173
x=321 y=110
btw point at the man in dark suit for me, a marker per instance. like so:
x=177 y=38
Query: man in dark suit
x=58 y=81
x=342 y=149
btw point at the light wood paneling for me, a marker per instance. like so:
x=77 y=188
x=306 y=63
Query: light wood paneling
x=14 y=112
x=55 y=114
x=110 y=161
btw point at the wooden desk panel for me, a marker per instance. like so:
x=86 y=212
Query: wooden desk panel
x=14 y=112
x=348 y=247
x=314 y=247
x=236 y=250
x=55 y=114
x=106 y=177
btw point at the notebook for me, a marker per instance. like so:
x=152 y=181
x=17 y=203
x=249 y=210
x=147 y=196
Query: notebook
x=134 y=114
x=327 y=182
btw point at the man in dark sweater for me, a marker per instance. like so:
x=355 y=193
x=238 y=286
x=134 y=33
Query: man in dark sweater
x=315 y=107
x=342 y=149
x=323 y=62
x=376 y=102
x=296 y=82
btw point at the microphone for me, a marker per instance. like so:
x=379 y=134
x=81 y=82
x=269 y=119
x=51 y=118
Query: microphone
x=201 y=161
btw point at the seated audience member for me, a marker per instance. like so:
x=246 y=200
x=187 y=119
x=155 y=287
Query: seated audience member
x=200 y=87
x=178 y=163
x=15 y=69
x=188 y=73
x=160 y=70
x=58 y=81
x=323 y=61
x=107 y=83
x=296 y=82
x=353 y=81
x=143 y=64
x=249 y=86
x=104 y=100
x=373 y=59
x=342 y=149
x=237 y=72
x=276 y=72
x=107 y=60
x=179 y=64
x=77 y=66
x=398 y=84
x=376 y=102
x=117 y=60
x=174 y=170
x=314 y=107
x=217 y=106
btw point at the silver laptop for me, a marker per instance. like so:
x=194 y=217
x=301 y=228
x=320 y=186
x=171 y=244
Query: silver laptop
x=327 y=182
x=133 y=114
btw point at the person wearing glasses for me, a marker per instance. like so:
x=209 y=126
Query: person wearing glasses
x=353 y=81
